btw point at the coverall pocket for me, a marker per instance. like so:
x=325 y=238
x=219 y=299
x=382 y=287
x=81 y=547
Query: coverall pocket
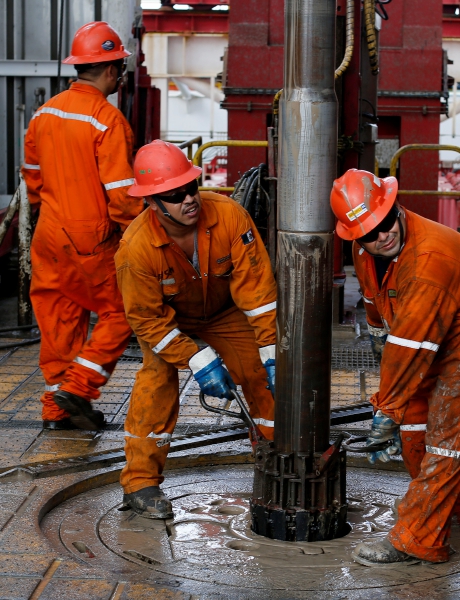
x=170 y=290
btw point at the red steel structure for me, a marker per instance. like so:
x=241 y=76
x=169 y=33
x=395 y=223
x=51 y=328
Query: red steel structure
x=411 y=81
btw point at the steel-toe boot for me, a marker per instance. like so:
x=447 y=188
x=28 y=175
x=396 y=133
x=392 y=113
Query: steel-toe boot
x=380 y=554
x=150 y=502
x=81 y=412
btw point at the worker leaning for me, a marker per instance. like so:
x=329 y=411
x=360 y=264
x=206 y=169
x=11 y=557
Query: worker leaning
x=78 y=156
x=408 y=268
x=191 y=264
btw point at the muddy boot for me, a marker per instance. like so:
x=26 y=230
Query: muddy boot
x=380 y=554
x=150 y=502
x=81 y=412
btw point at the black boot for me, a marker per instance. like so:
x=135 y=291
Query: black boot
x=150 y=502
x=81 y=412
x=61 y=425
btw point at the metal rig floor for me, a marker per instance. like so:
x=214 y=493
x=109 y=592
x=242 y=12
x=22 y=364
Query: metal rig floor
x=61 y=534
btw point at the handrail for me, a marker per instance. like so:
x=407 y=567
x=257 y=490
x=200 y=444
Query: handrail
x=404 y=149
x=189 y=145
x=197 y=159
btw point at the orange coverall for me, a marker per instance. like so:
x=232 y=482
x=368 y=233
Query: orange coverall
x=78 y=154
x=230 y=304
x=418 y=304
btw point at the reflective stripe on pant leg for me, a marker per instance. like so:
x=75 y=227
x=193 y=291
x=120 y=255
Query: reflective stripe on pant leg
x=163 y=439
x=93 y=366
x=52 y=388
x=153 y=407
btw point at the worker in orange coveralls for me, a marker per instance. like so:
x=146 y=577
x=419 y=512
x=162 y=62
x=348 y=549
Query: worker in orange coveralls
x=191 y=264
x=408 y=268
x=78 y=153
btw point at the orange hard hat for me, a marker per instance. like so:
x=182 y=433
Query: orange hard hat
x=360 y=200
x=96 y=42
x=160 y=167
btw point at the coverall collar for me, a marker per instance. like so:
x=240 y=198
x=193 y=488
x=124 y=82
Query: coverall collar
x=88 y=89
x=207 y=218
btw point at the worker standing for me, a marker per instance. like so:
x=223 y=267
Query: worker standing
x=408 y=268
x=191 y=264
x=78 y=154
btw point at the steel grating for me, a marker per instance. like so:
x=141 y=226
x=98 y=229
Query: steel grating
x=349 y=359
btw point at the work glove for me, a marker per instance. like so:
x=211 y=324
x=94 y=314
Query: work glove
x=267 y=356
x=210 y=374
x=383 y=429
x=378 y=337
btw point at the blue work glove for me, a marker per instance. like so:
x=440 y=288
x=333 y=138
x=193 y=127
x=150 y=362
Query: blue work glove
x=212 y=377
x=267 y=356
x=378 y=337
x=383 y=429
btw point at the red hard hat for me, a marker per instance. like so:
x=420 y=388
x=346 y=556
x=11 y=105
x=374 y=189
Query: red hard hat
x=360 y=200
x=160 y=167
x=96 y=42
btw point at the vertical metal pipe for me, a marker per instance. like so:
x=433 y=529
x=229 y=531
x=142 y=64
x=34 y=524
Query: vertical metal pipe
x=25 y=269
x=307 y=168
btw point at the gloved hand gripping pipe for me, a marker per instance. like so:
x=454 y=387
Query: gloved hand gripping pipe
x=369 y=20
x=349 y=39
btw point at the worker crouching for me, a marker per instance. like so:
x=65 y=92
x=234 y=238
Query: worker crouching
x=192 y=264
x=408 y=268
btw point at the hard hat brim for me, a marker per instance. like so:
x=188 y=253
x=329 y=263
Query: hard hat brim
x=142 y=191
x=96 y=58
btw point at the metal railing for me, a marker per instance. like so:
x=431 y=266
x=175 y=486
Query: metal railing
x=189 y=145
x=198 y=157
x=409 y=147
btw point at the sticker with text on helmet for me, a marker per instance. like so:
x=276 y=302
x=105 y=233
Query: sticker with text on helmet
x=354 y=213
x=247 y=237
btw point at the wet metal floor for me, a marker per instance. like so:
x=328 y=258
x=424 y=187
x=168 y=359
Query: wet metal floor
x=62 y=536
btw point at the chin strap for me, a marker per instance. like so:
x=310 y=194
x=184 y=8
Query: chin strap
x=166 y=213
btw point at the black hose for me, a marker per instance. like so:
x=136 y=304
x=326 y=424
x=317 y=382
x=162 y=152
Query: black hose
x=21 y=343
x=18 y=328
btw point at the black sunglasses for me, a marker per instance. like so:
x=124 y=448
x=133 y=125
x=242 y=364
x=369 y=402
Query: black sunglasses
x=383 y=227
x=179 y=197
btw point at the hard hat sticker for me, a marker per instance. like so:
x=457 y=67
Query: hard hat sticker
x=108 y=45
x=357 y=212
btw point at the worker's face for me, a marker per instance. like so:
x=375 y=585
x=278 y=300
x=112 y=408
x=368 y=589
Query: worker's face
x=390 y=235
x=183 y=203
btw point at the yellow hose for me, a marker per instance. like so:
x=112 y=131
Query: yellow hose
x=349 y=39
x=276 y=102
x=369 y=20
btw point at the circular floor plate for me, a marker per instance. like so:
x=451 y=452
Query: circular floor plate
x=210 y=541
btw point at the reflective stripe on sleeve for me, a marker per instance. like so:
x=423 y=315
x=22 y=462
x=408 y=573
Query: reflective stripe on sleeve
x=31 y=167
x=367 y=301
x=118 y=184
x=165 y=341
x=420 y=427
x=412 y=344
x=264 y=422
x=90 y=365
x=52 y=388
x=261 y=310
x=71 y=116
x=443 y=452
x=162 y=438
